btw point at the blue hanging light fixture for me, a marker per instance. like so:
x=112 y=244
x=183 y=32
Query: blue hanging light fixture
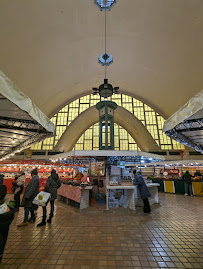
x=105 y=4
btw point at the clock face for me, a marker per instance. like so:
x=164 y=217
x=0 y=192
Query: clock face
x=110 y=111
x=102 y=111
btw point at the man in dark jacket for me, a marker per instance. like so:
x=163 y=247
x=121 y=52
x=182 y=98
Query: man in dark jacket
x=188 y=183
x=31 y=192
x=53 y=183
x=144 y=191
x=6 y=217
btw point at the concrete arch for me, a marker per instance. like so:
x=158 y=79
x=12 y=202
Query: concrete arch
x=122 y=117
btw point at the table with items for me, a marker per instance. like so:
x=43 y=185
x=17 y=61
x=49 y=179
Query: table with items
x=75 y=195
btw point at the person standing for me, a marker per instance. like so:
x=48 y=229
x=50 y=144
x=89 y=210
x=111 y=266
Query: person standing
x=53 y=183
x=188 y=183
x=6 y=217
x=1 y=179
x=19 y=186
x=144 y=191
x=31 y=192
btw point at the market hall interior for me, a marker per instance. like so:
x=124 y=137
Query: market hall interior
x=50 y=65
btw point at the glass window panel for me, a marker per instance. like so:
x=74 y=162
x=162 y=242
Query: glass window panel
x=78 y=146
x=64 y=109
x=137 y=103
x=69 y=112
x=74 y=103
x=139 y=113
x=126 y=98
x=128 y=106
x=37 y=146
x=53 y=120
x=132 y=146
x=83 y=107
x=85 y=99
x=62 y=119
x=93 y=102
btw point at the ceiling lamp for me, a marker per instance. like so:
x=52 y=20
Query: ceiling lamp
x=105 y=59
x=106 y=90
x=104 y=5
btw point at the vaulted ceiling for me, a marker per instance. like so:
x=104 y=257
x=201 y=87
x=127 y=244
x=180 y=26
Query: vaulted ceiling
x=50 y=49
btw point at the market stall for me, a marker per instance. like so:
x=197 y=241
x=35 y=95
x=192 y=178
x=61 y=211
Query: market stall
x=169 y=175
x=111 y=180
x=120 y=190
x=177 y=186
x=77 y=196
x=10 y=168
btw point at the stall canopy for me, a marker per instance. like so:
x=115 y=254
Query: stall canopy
x=186 y=125
x=21 y=121
x=131 y=156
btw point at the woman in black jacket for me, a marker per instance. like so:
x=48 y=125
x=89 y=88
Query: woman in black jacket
x=6 y=217
x=53 y=183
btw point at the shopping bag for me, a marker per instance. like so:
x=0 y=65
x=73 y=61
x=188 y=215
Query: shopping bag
x=41 y=198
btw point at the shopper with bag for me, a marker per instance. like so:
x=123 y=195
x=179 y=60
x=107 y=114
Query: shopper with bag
x=6 y=217
x=31 y=191
x=53 y=183
x=18 y=187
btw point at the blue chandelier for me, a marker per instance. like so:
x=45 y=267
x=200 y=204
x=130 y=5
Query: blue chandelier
x=105 y=4
x=105 y=59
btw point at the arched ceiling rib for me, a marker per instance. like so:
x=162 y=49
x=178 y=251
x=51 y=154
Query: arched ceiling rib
x=49 y=49
x=122 y=117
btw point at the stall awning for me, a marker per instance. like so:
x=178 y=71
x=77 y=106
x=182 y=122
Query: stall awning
x=136 y=156
x=22 y=123
x=186 y=125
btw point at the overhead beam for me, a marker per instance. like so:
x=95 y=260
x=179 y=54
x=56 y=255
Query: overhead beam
x=191 y=129
x=18 y=120
x=21 y=128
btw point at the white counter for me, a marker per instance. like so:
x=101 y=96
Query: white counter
x=129 y=195
x=121 y=187
x=133 y=195
x=154 y=199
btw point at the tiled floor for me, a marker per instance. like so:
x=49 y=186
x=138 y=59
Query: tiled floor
x=171 y=237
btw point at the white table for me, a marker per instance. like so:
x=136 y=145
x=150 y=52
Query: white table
x=154 y=199
x=130 y=195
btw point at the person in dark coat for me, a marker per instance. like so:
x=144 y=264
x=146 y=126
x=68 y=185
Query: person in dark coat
x=31 y=192
x=6 y=217
x=53 y=183
x=144 y=191
x=188 y=183
x=19 y=186
x=1 y=179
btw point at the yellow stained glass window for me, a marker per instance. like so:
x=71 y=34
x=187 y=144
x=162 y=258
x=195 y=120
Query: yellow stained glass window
x=149 y=118
x=122 y=140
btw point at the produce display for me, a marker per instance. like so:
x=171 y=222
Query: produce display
x=10 y=168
